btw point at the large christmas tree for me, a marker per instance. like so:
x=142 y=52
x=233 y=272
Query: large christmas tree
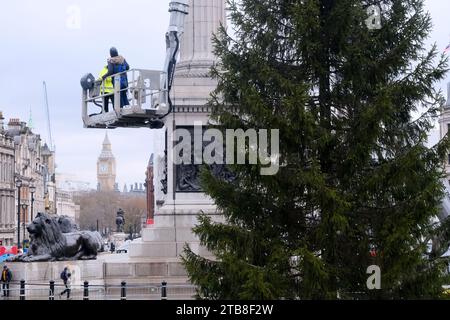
x=354 y=100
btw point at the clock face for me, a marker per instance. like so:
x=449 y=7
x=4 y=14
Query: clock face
x=103 y=168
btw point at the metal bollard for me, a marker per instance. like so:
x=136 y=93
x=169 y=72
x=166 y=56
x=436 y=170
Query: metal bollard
x=164 y=290
x=86 y=291
x=51 y=294
x=123 y=291
x=22 y=289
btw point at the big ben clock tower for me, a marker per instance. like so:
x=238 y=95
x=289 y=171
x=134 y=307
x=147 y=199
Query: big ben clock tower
x=106 y=167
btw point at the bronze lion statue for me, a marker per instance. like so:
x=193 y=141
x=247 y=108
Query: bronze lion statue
x=58 y=239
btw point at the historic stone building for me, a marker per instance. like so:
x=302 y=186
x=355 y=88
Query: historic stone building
x=69 y=186
x=48 y=160
x=106 y=168
x=135 y=189
x=72 y=183
x=65 y=206
x=33 y=168
x=7 y=187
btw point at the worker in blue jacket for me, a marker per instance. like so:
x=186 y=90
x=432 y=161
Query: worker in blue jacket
x=118 y=64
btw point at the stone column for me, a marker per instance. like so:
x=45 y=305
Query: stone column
x=3 y=212
x=196 y=53
x=176 y=212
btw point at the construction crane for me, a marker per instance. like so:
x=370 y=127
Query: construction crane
x=47 y=112
x=150 y=90
x=51 y=147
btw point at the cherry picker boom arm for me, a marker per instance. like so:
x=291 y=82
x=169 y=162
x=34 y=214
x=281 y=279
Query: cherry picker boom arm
x=178 y=10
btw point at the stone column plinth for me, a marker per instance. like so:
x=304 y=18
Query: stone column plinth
x=175 y=213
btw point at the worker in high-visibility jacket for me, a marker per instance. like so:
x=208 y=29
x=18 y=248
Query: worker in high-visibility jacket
x=107 y=89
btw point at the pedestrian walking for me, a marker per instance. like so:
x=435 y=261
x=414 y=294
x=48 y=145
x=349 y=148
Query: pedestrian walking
x=66 y=278
x=6 y=279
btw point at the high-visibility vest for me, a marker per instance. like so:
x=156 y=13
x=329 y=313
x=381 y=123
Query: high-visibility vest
x=107 y=85
x=5 y=275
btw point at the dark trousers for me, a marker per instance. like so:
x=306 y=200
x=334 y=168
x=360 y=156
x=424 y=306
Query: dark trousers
x=106 y=102
x=124 y=99
x=67 y=290
x=5 y=287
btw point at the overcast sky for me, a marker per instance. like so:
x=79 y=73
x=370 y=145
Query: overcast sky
x=41 y=40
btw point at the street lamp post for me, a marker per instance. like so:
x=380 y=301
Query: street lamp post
x=19 y=185
x=32 y=190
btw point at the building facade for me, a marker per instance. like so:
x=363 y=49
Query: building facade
x=7 y=187
x=48 y=160
x=33 y=177
x=65 y=205
x=136 y=189
x=106 y=168
x=67 y=187
x=71 y=183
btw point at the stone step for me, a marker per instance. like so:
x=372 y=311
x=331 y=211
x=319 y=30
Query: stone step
x=164 y=249
x=181 y=220
x=156 y=234
x=153 y=249
x=153 y=234
x=148 y=270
